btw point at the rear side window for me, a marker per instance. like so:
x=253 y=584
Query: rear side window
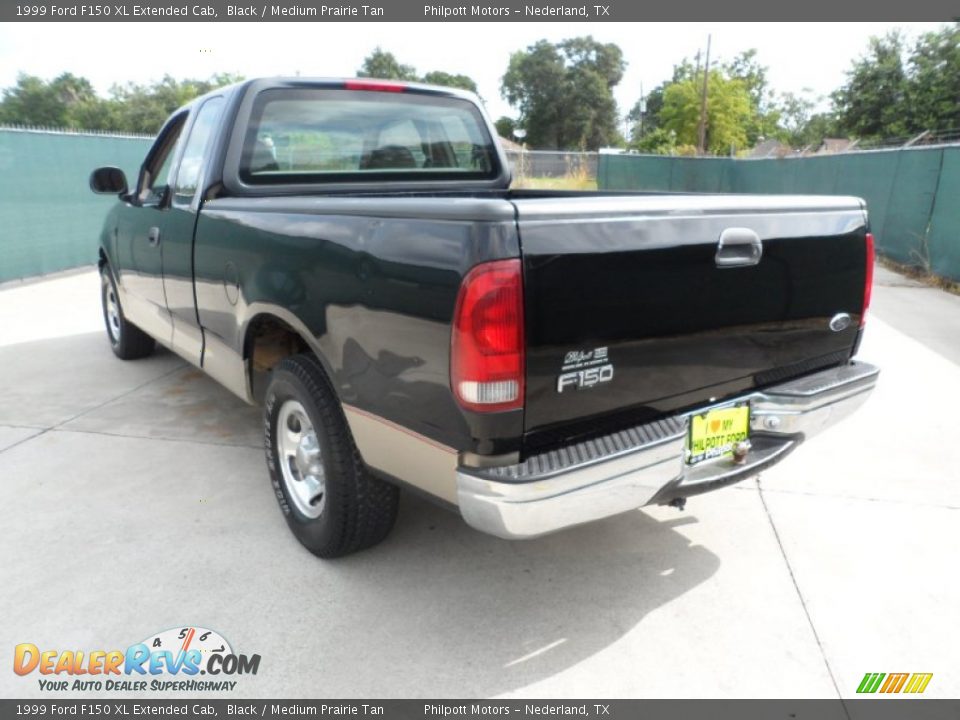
x=302 y=135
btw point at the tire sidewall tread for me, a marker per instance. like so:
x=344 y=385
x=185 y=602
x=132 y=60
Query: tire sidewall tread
x=359 y=509
x=134 y=343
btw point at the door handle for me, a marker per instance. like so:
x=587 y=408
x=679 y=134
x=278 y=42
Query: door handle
x=153 y=236
x=738 y=247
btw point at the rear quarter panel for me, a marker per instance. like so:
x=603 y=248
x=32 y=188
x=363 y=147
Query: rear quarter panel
x=371 y=284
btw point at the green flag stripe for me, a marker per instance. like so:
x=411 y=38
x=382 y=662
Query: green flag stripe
x=863 y=683
x=876 y=683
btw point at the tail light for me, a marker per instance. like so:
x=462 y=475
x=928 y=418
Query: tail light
x=487 y=342
x=374 y=85
x=868 y=280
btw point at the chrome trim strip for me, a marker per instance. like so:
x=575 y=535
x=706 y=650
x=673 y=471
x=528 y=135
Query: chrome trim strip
x=692 y=205
x=549 y=493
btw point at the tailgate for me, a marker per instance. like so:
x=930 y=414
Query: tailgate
x=634 y=307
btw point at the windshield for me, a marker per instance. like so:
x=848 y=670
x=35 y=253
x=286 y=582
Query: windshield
x=298 y=135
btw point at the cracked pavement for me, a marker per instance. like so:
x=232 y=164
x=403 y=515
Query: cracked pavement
x=134 y=498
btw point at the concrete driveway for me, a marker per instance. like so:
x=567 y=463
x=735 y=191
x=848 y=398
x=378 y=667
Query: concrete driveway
x=134 y=498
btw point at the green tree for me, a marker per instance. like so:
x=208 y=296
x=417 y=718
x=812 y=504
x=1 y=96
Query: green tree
x=144 y=108
x=818 y=127
x=933 y=92
x=31 y=102
x=654 y=102
x=765 y=118
x=383 y=65
x=534 y=84
x=70 y=101
x=795 y=112
x=762 y=120
x=61 y=102
x=729 y=112
x=872 y=102
x=747 y=68
x=438 y=77
x=564 y=92
x=657 y=142
x=594 y=69
x=505 y=127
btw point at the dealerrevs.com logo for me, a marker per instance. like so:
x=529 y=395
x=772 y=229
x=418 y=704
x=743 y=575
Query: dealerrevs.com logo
x=180 y=659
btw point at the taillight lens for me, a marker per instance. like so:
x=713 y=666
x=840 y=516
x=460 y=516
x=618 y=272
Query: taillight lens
x=868 y=280
x=486 y=349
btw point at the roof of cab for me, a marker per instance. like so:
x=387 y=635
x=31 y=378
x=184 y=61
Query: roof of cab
x=355 y=83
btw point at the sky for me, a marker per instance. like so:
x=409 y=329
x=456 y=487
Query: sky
x=799 y=56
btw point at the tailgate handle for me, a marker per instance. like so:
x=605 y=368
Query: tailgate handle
x=738 y=247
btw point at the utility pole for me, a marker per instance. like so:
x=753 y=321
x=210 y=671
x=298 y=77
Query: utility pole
x=643 y=109
x=702 y=135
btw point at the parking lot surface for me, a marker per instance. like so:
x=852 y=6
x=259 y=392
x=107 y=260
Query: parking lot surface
x=134 y=498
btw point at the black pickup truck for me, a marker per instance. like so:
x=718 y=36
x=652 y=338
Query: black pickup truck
x=349 y=254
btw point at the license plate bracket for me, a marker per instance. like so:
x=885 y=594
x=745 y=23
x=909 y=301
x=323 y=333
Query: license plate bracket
x=713 y=434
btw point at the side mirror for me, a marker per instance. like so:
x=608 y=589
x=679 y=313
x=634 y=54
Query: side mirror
x=108 y=181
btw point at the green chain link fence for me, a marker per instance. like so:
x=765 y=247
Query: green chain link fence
x=912 y=194
x=49 y=218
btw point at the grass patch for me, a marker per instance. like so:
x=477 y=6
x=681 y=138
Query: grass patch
x=567 y=182
x=921 y=274
x=577 y=176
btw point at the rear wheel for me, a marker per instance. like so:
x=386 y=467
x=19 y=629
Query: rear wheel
x=127 y=340
x=332 y=503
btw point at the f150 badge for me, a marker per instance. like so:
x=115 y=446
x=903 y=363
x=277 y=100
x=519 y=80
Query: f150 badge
x=585 y=369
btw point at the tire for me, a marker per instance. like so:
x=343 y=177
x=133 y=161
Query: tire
x=332 y=503
x=127 y=340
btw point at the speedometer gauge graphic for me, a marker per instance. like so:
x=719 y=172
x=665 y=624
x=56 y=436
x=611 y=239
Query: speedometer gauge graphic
x=184 y=639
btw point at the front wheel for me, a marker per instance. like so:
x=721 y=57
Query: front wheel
x=127 y=340
x=331 y=502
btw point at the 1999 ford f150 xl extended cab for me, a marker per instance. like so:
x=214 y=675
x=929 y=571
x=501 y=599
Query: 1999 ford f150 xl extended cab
x=349 y=254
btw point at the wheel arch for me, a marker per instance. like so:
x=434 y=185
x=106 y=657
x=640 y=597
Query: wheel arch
x=270 y=334
x=105 y=261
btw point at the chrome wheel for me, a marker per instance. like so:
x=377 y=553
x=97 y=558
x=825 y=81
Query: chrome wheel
x=301 y=460
x=112 y=308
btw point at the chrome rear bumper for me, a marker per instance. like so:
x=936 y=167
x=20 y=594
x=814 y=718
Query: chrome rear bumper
x=646 y=464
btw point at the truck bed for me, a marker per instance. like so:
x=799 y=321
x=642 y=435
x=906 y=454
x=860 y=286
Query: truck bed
x=634 y=275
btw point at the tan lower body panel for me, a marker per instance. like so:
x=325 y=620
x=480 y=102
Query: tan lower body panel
x=227 y=367
x=404 y=454
x=149 y=317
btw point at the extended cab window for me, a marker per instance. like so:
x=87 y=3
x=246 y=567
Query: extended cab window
x=298 y=135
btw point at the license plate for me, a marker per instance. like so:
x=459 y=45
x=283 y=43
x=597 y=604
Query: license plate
x=713 y=434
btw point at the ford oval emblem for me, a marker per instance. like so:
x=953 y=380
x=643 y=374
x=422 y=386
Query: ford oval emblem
x=839 y=322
